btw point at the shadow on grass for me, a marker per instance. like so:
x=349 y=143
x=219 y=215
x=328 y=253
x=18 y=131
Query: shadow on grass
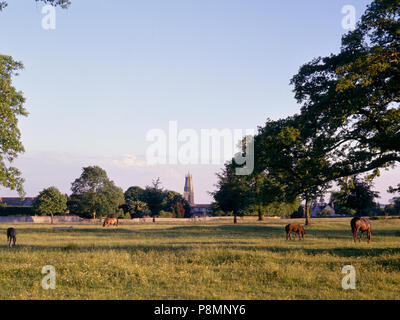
x=209 y=247
x=206 y=231
x=172 y=232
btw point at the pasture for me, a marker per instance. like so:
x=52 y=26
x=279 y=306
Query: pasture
x=200 y=260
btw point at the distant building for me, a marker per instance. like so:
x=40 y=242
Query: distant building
x=17 y=202
x=196 y=210
x=200 y=210
x=317 y=207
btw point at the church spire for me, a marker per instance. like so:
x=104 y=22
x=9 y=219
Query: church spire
x=188 y=192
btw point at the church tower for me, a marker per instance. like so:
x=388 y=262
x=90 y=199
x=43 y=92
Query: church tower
x=188 y=192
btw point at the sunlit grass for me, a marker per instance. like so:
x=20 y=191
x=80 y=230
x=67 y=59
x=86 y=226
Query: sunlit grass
x=214 y=260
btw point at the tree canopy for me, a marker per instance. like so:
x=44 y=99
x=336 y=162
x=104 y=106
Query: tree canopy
x=94 y=194
x=355 y=196
x=50 y=202
x=350 y=100
x=153 y=195
x=233 y=192
x=11 y=106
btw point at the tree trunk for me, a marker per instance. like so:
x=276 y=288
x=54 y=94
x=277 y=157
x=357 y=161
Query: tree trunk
x=154 y=219
x=307 y=213
x=51 y=217
x=260 y=214
x=234 y=218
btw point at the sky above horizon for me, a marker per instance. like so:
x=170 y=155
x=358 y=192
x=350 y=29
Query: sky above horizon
x=111 y=71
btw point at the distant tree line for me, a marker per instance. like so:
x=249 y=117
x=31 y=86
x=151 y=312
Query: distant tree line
x=94 y=195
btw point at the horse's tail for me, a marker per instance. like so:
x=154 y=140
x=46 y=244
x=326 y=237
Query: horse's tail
x=353 y=225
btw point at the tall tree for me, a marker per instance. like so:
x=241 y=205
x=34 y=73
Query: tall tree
x=233 y=192
x=295 y=164
x=11 y=106
x=50 y=202
x=94 y=194
x=153 y=195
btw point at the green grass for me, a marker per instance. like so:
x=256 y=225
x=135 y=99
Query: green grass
x=214 y=260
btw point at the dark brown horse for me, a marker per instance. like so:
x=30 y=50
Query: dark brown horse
x=363 y=225
x=11 y=237
x=297 y=229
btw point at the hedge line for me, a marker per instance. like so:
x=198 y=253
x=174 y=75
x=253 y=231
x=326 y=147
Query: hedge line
x=16 y=211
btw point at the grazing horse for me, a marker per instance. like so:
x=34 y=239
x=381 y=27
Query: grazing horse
x=297 y=229
x=361 y=224
x=110 y=222
x=11 y=236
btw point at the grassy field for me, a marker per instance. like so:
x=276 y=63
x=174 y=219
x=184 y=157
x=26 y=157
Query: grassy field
x=214 y=260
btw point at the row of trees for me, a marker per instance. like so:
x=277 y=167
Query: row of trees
x=94 y=195
x=349 y=123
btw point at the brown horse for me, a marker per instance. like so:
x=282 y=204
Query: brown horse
x=363 y=225
x=110 y=222
x=297 y=229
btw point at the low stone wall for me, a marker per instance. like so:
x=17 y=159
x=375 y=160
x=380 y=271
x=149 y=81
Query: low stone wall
x=39 y=219
x=173 y=220
x=76 y=219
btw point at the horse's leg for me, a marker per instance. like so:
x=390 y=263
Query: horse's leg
x=355 y=234
x=361 y=235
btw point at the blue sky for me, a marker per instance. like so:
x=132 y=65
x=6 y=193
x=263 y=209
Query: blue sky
x=113 y=70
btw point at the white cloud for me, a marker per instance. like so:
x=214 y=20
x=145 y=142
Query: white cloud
x=129 y=161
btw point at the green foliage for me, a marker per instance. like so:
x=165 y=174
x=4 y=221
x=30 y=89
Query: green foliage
x=174 y=202
x=133 y=194
x=354 y=197
x=154 y=196
x=11 y=106
x=324 y=213
x=233 y=192
x=295 y=164
x=94 y=195
x=394 y=190
x=50 y=202
x=299 y=213
x=57 y=3
x=274 y=209
x=350 y=100
x=216 y=211
x=137 y=208
x=136 y=201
